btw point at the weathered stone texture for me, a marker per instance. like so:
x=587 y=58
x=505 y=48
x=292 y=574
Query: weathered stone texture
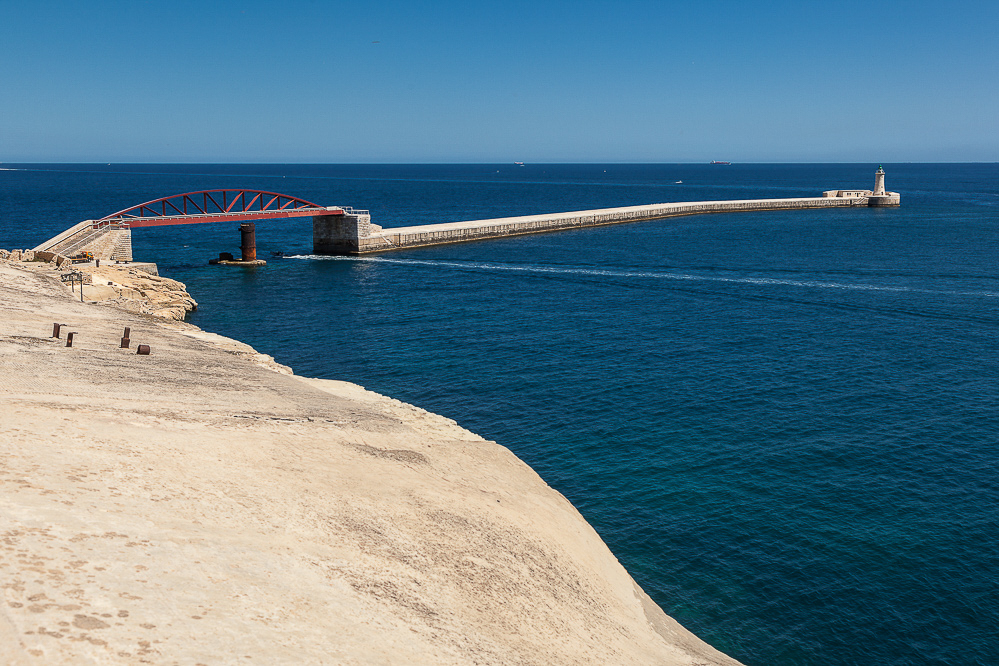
x=203 y=505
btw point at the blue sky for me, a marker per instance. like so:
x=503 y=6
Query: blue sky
x=448 y=81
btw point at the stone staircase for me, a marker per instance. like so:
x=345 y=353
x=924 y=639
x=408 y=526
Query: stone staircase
x=111 y=241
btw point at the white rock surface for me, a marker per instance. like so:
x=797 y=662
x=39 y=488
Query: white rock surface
x=195 y=506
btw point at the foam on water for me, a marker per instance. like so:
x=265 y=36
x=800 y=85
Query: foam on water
x=562 y=270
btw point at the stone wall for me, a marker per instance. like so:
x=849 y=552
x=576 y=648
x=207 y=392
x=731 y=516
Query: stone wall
x=340 y=234
x=884 y=200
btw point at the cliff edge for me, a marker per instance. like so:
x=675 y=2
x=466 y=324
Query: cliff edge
x=200 y=506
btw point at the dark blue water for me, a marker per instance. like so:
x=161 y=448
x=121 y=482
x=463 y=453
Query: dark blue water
x=784 y=424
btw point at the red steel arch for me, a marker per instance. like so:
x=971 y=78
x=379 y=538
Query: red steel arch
x=218 y=206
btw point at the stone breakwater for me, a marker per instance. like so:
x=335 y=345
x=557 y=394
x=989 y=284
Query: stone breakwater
x=203 y=505
x=117 y=285
x=355 y=234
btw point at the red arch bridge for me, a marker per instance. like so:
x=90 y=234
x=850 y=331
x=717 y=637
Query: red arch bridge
x=110 y=236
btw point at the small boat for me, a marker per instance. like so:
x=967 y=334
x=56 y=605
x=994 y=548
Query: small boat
x=719 y=162
x=679 y=182
x=519 y=163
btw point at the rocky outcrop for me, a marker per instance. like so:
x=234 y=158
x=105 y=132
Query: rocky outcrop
x=114 y=285
x=137 y=291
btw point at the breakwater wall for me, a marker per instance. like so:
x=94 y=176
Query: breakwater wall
x=357 y=235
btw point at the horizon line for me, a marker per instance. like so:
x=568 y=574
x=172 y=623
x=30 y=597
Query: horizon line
x=493 y=163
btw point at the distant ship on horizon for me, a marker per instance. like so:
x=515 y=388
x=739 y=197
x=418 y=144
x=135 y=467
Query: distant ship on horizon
x=719 y=162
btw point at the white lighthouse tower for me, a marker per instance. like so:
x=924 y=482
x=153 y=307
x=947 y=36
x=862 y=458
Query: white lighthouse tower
x=880 y=196
x=879 y=181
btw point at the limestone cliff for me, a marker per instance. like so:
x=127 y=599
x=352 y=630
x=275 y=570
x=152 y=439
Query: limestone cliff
x=195 y=506
x=118 y=285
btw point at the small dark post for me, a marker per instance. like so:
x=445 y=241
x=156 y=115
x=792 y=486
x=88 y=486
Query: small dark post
x=69 y=338
x=142 y=350
x=127 y=332
x=249 y=244
x=124 y=343
x=56 y=330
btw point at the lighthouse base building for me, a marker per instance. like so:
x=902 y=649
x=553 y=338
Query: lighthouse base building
x=876 y=197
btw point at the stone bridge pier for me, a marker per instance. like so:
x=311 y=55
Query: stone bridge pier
x=341 y=234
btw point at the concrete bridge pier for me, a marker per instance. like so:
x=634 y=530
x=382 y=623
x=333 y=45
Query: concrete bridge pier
x=341 y=232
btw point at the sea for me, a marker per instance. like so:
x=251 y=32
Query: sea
x=784 y=424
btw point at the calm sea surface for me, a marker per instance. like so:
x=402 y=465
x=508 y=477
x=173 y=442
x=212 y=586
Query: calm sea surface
x=784 y=424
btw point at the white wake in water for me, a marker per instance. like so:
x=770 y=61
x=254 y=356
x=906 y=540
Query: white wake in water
x=660 y=275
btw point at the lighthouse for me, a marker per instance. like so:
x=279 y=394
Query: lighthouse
x=879 y=181
x=880 y=196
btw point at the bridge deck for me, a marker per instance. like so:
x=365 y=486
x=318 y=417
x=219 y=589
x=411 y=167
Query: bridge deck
x=243 y=216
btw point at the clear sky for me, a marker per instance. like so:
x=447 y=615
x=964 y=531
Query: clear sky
x=487 y=81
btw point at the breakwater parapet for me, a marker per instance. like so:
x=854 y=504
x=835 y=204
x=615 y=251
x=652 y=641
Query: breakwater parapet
x=371 y=238
x=355 y=234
